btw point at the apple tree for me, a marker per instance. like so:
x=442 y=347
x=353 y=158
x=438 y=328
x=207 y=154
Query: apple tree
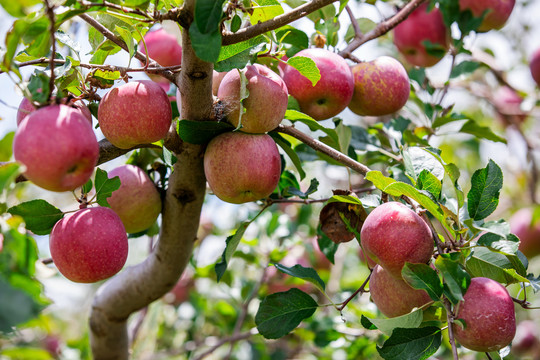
x=269 y=179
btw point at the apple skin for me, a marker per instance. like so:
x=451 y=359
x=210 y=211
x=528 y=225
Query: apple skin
x=508 y=106
x=332 y=93
x=498 y=12
x=488 y=311
x=135 y=113
x=421 y=26
x=242 y=167
x=261 y=114
x=393 y=296
x=381 y=87
x=89 y=245
x=137 y=201
x=217 y=77
x=528 y=233
x=393 y=234
x=26 y=107
x=534 y=66
x=57 y=146
x=163 y=48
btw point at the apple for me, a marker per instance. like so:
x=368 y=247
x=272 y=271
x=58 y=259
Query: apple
x=421 y=26
x=26 y=107
x=381 y=87
x=135 y=113
x=534 y=66
x=393 y=296
x=242 y=167
x=89 y=245
x=497 y=12
x=489 y=315
x=507 y=105
x=527 y=339
x=163 y=48
x=366 y=259
x=333 y=91
x=261 y=114
x=528 y=233
x=393 y=234
x=217 y=77
x=58 y=148
x=180 y=292
x=137 y=202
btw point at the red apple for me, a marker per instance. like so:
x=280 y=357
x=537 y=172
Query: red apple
x=527 y=339
x=534 y=66
x=58 y=148
x=242 y=167
x=528 y=233
x=381 y=87
x=497 y=12
x=89 y=245
x=421 y=26
x=489 y=315
x=135 y=113
x=26 y=107
x=393 y=296
x=366 y=259
x=261 y=115
x=331 y=94
x=137 y=202
x=393 y=234
x=507 y=105
x=163 y=48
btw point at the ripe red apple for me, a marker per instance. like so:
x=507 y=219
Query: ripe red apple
x=26 y=107
x=421 y=26
x=332 y=93
x=507 y=105
x=488 y=311
x=393 y=234
x=135 y=113
x=497 y=12
x=393 y=296
x=381 y=87
x=89 y=245
x=534 y=66
x=242 y=167
x=163 y=48
x=528 y=233
x=58 y=148
x=137 y=201
x=262 y=115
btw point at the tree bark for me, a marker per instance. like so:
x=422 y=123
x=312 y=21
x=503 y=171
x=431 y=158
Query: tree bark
x=137 y=286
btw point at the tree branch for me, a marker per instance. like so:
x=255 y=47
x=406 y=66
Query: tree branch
x=139 y=285
x=52 y=30
x=381 y=28
x=275 y=23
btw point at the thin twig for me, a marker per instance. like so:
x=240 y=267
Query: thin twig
x=450 y=320
x=106 y=4
x=52 y=30
x=224 y=341
x=361 y=289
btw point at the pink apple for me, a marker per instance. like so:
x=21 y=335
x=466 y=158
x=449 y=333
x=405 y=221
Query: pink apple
x=393 y=296
x=381 y=87
x=534 y=66
x=217 y=77
x=393 y=234
x=507 y=105
x=528 y=232
x=58 y=148
x=26 y=107
x=163 y=48
x=135 y=113
x=366 y=259
x=242 y=167
x=261 y=115
x=137 y=202
x=331 y=94
x=497 y=12
x=489 y=315
x=89 y=245
x=527 y=339
x=421 y=26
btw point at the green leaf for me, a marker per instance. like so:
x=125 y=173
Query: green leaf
x=264 y=10
x=411 y=344
x=86 y=188
x=26 y=353
x=304 y=273
x=429 y=182
x=208 y=14
x=486 y=185
x=313 y=124
x=463 y=68
x=17 y=8
x=6 y=146
x=280 y=313
x=239 y=60
x=201 y=132
x=306 y=67
x=387 y=326
x=286 y=146
x=126 y=35
x=16 y=306
x=456 y=279
x=232 y=50
x=471 y=127
x=236 y=22
x=423 y=277
x=12 y=40
x=486 y=263
x=417 y=159
x=105 y=186
x=206 y=45
x=326 y=245
x=291 y=35
x=39 y=216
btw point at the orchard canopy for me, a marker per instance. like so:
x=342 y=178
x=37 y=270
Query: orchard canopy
x=269 y=179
